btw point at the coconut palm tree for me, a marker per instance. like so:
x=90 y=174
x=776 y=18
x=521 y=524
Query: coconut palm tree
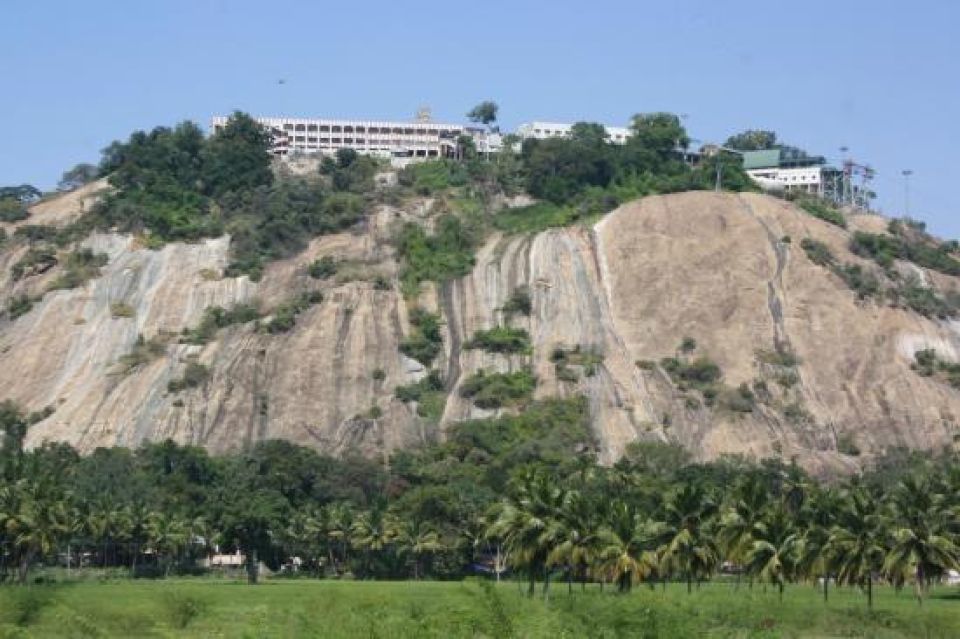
x=748 y=502
x=371 y=534
x=574 y=536
x=775 y=550
x=691 y=549
x=135 y=516
x=166 y=535
x=923 y=544
x=337 y=521
x=621 y=548
x=102 y=523
x=415 y=538
x=10 y=497
x=857 y=543
x=522 y=520
x=819 y=517
x=39 y=522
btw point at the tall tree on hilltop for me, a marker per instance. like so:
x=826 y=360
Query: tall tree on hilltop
x=237 y=157
x=752 y=140
x=484 y=113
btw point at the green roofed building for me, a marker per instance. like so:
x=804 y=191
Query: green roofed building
x=788 y=169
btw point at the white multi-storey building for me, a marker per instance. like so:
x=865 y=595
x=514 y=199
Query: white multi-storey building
x=372 y=137
x=808 y=178
x=774 y=170
x=547 y=130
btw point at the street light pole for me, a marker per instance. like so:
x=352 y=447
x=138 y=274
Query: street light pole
x=720 y=150
x=906 y=173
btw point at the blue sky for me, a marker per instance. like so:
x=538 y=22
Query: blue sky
x=878 y=77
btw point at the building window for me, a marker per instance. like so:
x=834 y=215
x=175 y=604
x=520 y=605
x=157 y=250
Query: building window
x=360 y=129
x=301 y=127
x=336 y=140
x=299 y=138
x=361 y=141
x=324 y=140
x=324 y=128
x=311 y=127
x=312 y=139
x=336 y=129
x=348 y=129
x=288 y=127
x=348 y=140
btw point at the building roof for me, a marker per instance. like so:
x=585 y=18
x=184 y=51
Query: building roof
x=761 y=159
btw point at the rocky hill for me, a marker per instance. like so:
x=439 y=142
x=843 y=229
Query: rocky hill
x=695 y=318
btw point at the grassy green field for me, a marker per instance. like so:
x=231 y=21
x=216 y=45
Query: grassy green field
x=306 y=608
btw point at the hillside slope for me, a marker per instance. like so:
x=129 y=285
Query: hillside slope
x=713 y=267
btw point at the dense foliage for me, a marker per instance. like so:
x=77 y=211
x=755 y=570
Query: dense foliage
x=521 y=492
x=501 y=339
x=915 y=247
x=445 y=254
x=899 y=290
x=587 y=172
x=174 y=184
x=823 y=210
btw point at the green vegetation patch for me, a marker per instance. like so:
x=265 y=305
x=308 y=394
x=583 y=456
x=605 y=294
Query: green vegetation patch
x=143 y=352
x=912 y=294
x=496 y=390
x=700 y=373
x=80 y=266
x=323 y=268
x=519 y=302
x=782 y=357
x=217 y=317
x=738 y=400
x=19 y=305
x=533 y=218
x=429 y=393
x=501 y=339
x=122 y=310
x=863 y=283
x=12 y=210
x=175 y=184
x=428 y=178
x=437 y=257
x=818 y=252
x=821 y=209
x=426 y=341
x=284 y=317
x=36 y=261
x=349 y=609
x=928 y=364
x=551 y=430
x=193 y=376
x=568 y=362
x=276 y=222
x=920 y=249
x=704 y=375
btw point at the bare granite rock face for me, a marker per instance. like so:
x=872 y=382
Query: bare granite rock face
x=724 y=269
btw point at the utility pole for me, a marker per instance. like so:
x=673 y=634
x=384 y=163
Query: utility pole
x=846 y=191
x=906 y=173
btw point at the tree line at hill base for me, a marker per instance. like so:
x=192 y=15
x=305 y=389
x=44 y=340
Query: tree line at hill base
x=521 y=494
